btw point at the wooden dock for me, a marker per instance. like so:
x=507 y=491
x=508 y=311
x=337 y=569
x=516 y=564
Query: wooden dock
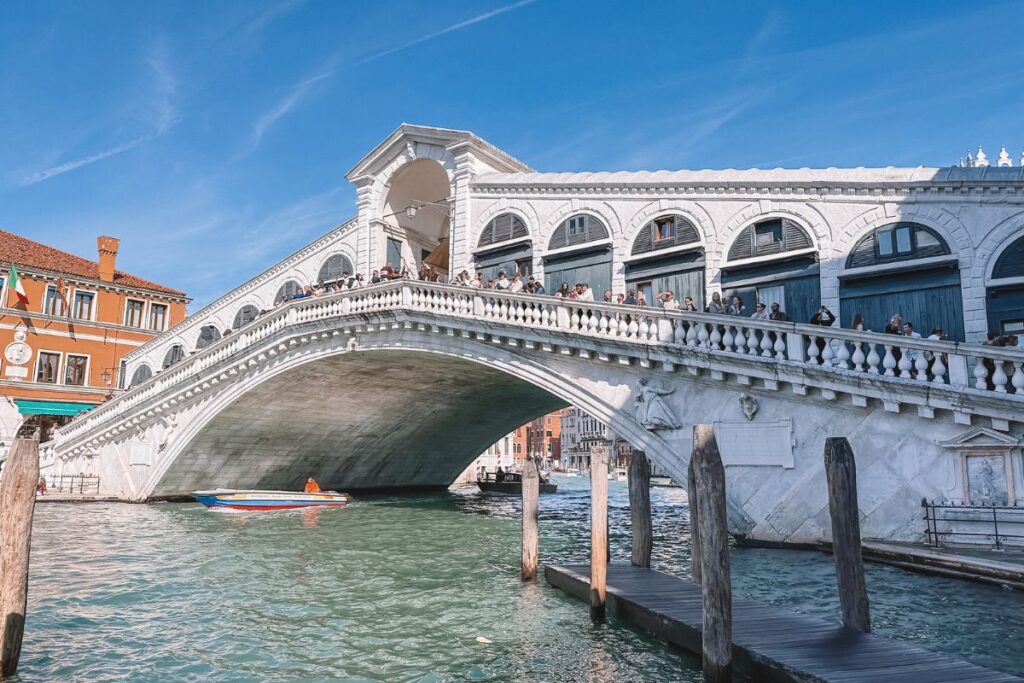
x=769 y=643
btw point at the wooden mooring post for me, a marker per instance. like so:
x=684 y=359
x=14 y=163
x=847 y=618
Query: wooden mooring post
x=598 y=531
x=639 y=482
x=691 y=503
x=17 y=504
x=714 y=543
x=841 y=474
x=531 y=515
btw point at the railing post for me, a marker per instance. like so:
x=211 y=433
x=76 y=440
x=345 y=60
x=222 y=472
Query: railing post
x=795 y=347
x=666 y=331
x=406 y=295
x=478 y=305
x=957 y=367
x=562 y=315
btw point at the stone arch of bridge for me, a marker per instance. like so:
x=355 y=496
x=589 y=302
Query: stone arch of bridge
x=380 y=417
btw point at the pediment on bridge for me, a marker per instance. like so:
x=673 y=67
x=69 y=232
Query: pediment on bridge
x=981 y=438
x=424 y=141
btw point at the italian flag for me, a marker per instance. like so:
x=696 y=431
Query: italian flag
x=14 y=282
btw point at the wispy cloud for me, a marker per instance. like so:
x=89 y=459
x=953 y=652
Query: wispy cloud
x=449 y=29
x=260 y=20
x=160 y=108
x=303 y=89
x=54 y=171
x=769 y=29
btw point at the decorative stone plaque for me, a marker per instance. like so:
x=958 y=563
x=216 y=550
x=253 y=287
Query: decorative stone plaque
x=753 y=444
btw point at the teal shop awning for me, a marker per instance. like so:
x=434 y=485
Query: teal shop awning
x=52 y=407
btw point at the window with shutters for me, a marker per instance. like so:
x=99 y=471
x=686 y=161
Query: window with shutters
x=665 y=232
x=51 y=302
x=333 y=268
x=896 y=242
x=207 y=335
x=47 y=366
x=141 y=374
x=82 y=306
x=287 y=291
x=246 y=314
x=1011 y=262
x=768 y=237
x=76 y=370
x=503 y=228
x=133 y=312
x=173 y=355
x=576 y=230
x=157 y=317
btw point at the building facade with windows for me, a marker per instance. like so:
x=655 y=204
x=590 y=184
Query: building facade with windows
x=63 y=349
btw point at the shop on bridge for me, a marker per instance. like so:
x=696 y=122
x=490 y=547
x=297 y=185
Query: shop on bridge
x=774 y=261
x=504 y=246
x=580 y=250
x=909 y=270
x=667 y=255
x=1005 y=294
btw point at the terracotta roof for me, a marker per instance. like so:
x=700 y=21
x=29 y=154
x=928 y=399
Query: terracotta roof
x=31 y=254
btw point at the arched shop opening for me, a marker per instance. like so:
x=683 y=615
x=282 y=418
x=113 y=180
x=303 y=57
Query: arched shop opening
x=504 y=246
x=774 y=261
x=667 y=255
x=1005 y=294
x=925 y=293
x=416 y=218
x=580 y=251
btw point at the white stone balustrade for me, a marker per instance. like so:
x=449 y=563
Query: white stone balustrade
x=846 y=353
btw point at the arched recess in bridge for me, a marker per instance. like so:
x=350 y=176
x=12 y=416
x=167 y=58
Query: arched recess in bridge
x=774 y=261
x=667 y=255
x=904 y=268
x=379 y=418
x=580 y=251
x=504 y=246
x=416 y=217
x=1005 y=293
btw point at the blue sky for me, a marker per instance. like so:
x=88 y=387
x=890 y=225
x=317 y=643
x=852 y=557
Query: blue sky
x=213 y=137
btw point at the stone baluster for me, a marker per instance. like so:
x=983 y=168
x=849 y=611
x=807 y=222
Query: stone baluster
x=921 y=366
x=685 y=334
x=727 y=339
x=842 y=355
x=642 y=329
x=1018 y=377
x=780 y=347
x=766 y=345
x=939 y=369
x=602 y=325
x=702 y=337
x=752 y=343
x=827 y=353
x=858 y=356
x=905 y=363
x=889 y=362
x=632 y=328
x=980 y=374
x=623 y=327
x=714 y=339
x=813 y=351
x=574 y=320
x=594 y=322
x=873 y=358
x=999 y=377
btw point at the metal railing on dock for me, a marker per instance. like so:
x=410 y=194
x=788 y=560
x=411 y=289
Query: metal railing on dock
x=83 y=484
x=995 y=525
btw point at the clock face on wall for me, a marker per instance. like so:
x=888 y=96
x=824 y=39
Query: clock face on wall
x=18 y=353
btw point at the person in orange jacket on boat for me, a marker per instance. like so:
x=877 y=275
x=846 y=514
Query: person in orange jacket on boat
x=312 y=486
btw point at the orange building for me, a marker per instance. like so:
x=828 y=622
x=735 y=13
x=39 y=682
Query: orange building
x=543 y=437
x=63 y=349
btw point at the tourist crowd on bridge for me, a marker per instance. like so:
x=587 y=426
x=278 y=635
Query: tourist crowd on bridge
x=517 y=283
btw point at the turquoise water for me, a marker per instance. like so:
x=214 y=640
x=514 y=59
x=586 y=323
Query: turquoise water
x=399 y=588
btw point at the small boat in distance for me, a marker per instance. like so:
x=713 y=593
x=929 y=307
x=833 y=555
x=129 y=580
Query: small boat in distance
x=233 y=499
x=510 y=482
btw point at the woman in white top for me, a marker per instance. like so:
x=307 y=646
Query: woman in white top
x=516 y=285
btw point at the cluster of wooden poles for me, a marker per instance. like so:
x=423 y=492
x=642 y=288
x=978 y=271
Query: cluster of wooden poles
x=17 y=504
x=709 y=537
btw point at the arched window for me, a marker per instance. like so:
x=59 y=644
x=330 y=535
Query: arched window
x=207 y=335
x=665 y=232
x=174 y=354
x=896 y=242
x=287 y=291
x=578 y=229
x=141 y=374
x=1011 y=262
x=503 y=228
x=772 y=236
x=333 y=268
x=246 y=314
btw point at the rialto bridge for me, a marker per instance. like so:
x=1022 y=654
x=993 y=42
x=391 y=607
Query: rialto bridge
x=400 y=385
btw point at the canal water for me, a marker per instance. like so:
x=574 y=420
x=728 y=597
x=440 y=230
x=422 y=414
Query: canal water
x=401 y=588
